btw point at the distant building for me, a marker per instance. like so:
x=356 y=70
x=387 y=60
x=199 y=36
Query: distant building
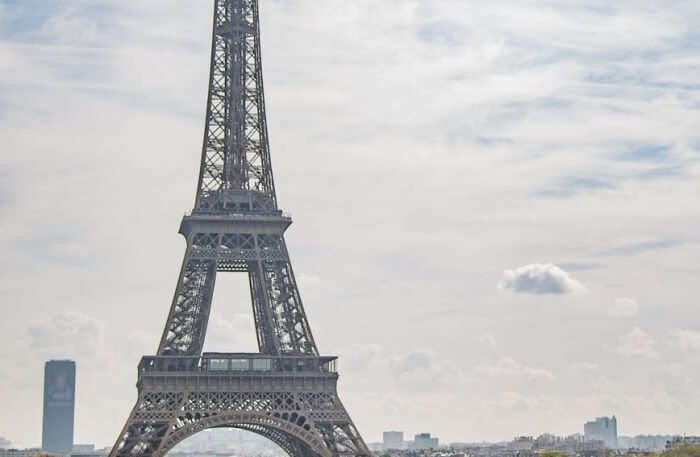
x=546 y=441
x=393 y=440
x=4 y=443
x=680 y=441
x=646 y=443
x=20 y=452
x=521 y=443
x=602 y=429
x=423 y=441
x=625 y=442
x=375 y=447
x=59 y=407
x=593 y=446
x=88 y=450
x=83 y=449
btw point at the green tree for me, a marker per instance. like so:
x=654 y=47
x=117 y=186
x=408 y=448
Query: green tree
x=683 y=451
x=552 y=454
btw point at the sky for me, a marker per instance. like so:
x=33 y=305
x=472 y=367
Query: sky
x=497 y=225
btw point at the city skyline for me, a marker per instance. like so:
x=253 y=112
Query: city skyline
x=515 y=185
x=220 y=440
x=66 y=370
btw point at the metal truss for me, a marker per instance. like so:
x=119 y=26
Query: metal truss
x=305 y=424
x=189 y=313
x=236 y=152
x=280 y=320
x=287 y=392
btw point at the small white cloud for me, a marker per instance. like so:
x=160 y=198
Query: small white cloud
x=624 y=307
x=687 y=340
x=538 y=279
x=637 y=343
x=509 y=367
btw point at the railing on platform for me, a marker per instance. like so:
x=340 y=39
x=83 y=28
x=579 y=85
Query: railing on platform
x=220 y=363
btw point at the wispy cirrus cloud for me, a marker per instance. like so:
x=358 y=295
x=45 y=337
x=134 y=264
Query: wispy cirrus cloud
x=624 y=307
x=642 y=247
x=506 y=366
x=687 y=340
x=637 y=343
x=67 y=335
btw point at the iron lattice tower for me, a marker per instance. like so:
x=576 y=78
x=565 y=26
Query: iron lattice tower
x=286 y=392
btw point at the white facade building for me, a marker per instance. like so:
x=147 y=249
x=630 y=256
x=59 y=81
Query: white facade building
x=602 y=429
x=393 y=440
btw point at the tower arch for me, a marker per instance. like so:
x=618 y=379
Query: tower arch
x=288 y=435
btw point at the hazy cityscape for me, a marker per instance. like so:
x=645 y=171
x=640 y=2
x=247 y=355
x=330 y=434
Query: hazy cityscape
x=599 y=436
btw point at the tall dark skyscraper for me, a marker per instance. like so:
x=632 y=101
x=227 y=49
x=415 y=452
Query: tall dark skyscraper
x=59 y=407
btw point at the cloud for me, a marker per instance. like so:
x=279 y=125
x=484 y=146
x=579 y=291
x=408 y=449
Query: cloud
x=636 y=164
x=67 y=335
x=637 y=343
x=308 y=281
x=641 y=248
x=231 y=331
x=581 y=266
x=687 y=340
x=571 y=186
x=361 y=356
x=540 y=279
x=412 y=362
x=509 y=367
x=624 y=307
x=650 y=152
x=515 y=401
x=419 y=371
x=234 y=324
x=584 y=367
x=69 y=28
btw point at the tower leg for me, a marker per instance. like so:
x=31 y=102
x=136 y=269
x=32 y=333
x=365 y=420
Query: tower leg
x=189 y=314
x=306 y=422
x=142 y=435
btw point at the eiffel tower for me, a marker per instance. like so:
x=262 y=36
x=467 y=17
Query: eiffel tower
x=287 y=391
